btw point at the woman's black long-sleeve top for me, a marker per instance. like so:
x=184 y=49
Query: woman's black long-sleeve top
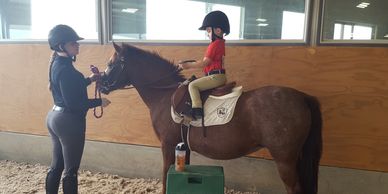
x=69 y=87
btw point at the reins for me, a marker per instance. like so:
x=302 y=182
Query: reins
x=167 y=76
x=97 y=91
x=174 y=85
x=149 y=84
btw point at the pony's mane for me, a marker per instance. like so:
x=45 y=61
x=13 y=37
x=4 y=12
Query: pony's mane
x=153 y=58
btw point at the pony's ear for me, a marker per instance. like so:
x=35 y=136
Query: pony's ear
x=117 y=47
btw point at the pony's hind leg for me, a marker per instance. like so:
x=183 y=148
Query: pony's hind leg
x=289 y=174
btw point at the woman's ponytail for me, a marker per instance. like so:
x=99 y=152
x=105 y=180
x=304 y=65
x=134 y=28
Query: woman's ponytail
x=53 y=56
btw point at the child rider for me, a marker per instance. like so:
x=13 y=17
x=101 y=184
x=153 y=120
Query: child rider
x=216 y=24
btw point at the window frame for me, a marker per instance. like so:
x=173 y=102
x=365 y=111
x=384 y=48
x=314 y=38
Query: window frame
x=314 y=16
x=99 y=18
x=104 y=36
x=251 y=42
x=351 y=43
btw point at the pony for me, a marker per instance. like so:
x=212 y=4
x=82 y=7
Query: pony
x=284 y=120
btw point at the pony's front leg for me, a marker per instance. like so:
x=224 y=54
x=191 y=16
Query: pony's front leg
x=168 y=152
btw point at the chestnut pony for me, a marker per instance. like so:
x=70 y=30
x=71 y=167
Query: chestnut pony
x=285 y=121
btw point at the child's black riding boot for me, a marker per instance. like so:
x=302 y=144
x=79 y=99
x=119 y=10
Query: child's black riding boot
x=197 y=113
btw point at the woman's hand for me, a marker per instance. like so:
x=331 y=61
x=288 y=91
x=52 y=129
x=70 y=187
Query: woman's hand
x=94 y=77
x=105 y=102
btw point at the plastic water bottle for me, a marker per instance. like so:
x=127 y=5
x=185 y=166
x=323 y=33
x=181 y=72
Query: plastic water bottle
x=180 y=157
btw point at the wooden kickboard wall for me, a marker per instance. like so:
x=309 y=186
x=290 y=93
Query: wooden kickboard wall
x=351 y=84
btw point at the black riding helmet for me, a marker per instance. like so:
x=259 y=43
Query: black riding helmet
x=61 y=34
x=216 y=19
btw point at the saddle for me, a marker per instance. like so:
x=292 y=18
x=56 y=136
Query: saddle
x=181 y=101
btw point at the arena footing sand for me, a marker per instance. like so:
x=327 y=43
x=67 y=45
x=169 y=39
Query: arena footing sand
x=23 y=178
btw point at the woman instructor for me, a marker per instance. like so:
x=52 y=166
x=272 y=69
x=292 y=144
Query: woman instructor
x=66 y=122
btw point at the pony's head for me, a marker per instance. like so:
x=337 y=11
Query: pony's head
x=115 y=75
x=130 y=65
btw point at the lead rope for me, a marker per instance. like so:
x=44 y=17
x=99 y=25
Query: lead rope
x=97 y=91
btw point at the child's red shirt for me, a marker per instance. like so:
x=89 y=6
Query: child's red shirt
x=216 y=52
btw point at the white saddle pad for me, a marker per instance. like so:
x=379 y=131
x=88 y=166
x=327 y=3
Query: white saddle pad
x=218 y=110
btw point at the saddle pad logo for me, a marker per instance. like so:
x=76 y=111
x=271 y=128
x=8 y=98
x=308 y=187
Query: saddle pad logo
x=222 y=112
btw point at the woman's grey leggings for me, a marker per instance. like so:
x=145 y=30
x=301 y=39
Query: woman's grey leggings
x=67 y=131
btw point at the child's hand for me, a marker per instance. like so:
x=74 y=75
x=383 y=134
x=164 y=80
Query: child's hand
x=181 y=66
x=186 y=64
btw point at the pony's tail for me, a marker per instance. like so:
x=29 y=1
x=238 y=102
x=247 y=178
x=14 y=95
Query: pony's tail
x=308 y=162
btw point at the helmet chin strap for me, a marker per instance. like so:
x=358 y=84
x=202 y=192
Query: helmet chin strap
x=73 y=58
x=214 y=35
